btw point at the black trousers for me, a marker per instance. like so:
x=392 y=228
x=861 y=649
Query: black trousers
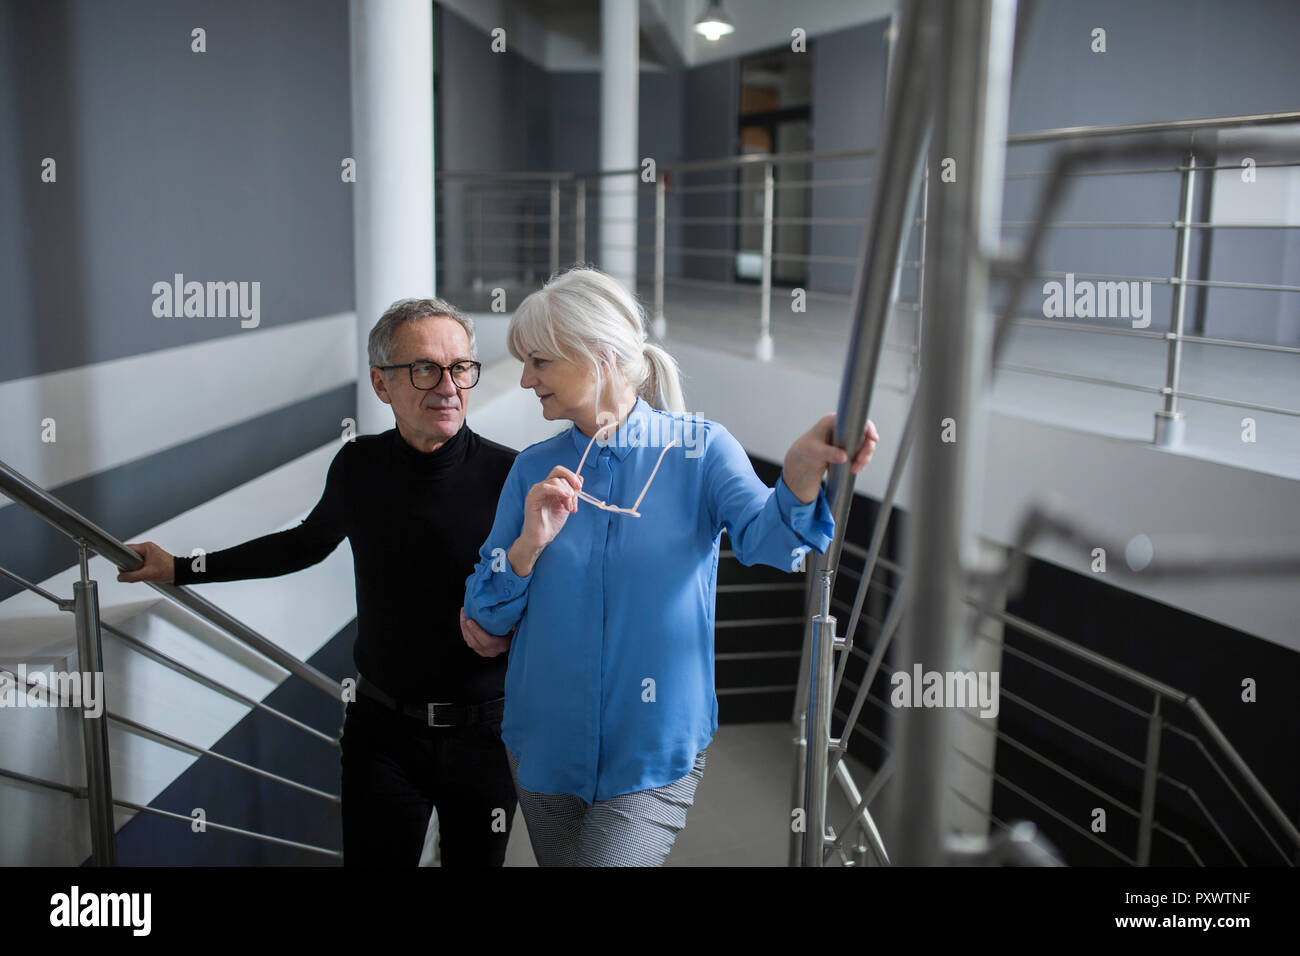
x=396 y=770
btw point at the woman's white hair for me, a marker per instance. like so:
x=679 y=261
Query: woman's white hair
x=588 y=317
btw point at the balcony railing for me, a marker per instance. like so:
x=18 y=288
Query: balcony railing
x=520 y=227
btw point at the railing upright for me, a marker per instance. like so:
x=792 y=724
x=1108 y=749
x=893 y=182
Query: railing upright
x=580 y=222
x=764 y=349
x=554 y=222
x=1170 y=422
x=915 y=368
x=660 y=323
x=94 y=729
x=894 y=191
x=971 y=97
x=819 y=724
x=476 y=200
x=1150 y=780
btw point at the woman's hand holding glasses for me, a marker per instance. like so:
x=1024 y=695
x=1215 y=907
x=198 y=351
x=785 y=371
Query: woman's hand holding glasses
x=547 y=507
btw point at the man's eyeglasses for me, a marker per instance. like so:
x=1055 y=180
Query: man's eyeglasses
x=608 y=507
x=426 y=375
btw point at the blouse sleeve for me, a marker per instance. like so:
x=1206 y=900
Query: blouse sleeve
x=765 y=525
x=495 y=597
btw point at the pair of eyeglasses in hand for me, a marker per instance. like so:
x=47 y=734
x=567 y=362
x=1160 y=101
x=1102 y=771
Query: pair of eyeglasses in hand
x=608 y=507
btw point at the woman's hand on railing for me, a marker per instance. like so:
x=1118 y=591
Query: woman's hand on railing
x=480 y=641
x=806 y=461
x=547 y=507
x=157 y=566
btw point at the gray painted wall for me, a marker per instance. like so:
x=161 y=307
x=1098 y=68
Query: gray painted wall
x=848 y=95
x=499 y=111
x=1165 y=59
x=709 y=131
x=223 y=166
x=662 y=137
x=575 y=145
x=494 y=114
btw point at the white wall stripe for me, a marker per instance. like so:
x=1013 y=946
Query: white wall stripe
x=109 y=413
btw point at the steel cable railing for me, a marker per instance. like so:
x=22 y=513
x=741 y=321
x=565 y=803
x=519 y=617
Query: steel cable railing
x=85 y=606
x=1131 y=677
x=928 y=748
x=81 y=793
x=172 y=664
x=555 y=243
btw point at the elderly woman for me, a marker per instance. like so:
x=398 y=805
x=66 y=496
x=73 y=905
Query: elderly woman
x=604 y=557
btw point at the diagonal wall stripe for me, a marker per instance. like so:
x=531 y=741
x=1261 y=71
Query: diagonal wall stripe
x=109 y=413
x=148 y=491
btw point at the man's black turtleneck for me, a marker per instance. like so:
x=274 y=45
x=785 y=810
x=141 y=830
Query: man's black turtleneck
x=415 y=521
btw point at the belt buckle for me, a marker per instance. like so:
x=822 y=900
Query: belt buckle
x=433 y=714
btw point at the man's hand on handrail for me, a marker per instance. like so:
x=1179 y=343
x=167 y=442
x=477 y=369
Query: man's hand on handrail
x=157 y=567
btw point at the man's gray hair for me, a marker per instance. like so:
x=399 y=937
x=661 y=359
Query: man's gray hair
x=383 y=335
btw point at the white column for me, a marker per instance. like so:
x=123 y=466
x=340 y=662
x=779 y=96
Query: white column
x=392 y=142
x=620 y=38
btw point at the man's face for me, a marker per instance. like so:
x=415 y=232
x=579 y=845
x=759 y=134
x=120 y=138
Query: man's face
x=426 y=418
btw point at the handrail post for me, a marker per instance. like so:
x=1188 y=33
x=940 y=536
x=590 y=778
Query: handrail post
x=914 y=370
x=555 y=225
x=94 y=730
x=819 y=727
x=797 y=798
x=764 y=349
x=660 y=323
x=1170 y=422
x=580 y=223
x=1150 y=779
x=903 y=137
x=476 y=203
x=972 y=93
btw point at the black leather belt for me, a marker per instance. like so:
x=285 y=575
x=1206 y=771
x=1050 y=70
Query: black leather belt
x=437 y=715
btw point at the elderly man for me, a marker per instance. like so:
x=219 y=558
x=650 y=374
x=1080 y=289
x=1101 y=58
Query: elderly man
x=415 y=503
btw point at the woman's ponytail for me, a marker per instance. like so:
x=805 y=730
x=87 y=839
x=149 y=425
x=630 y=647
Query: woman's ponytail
x=662 y=387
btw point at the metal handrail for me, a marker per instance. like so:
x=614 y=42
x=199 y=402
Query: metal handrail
x=80 y=794
x=176 y=742
x=1115 y=668
x=578 y=179
x=223 y=758
x=89 y=537
x=173 y=664
x=872 y=558
x=865 y=579
x=1025 y=268
x=1102 y=662
x=1057 y=134
x=896 y=186
x=80 y=528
